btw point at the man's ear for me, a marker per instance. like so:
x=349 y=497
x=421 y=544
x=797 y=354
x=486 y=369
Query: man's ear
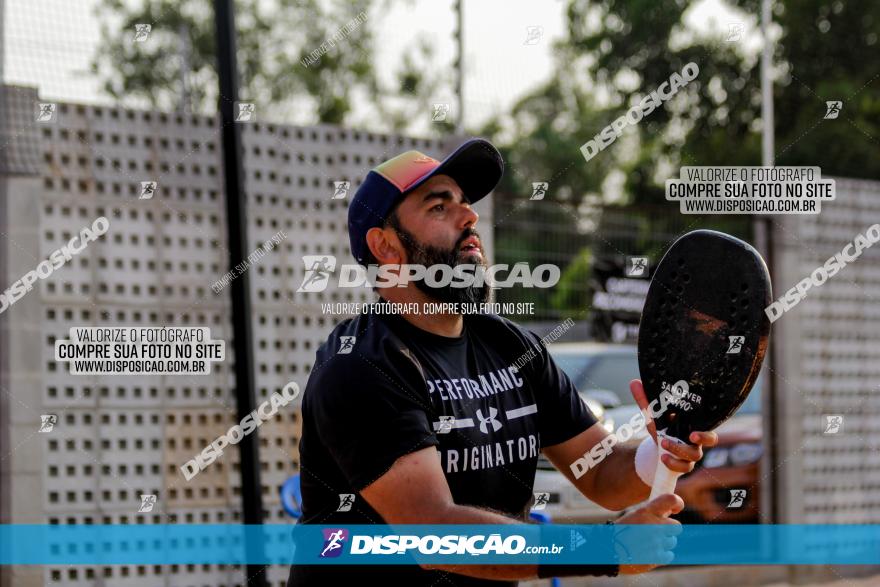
x=385 y=246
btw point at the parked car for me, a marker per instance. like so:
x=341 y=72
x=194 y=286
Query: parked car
x=565 y=504
x=731 y=466
x=602 y=372
x=595 y=369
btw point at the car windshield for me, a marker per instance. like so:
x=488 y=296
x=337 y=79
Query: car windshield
x=752 y=405
x=574 y=364
x=611 y=371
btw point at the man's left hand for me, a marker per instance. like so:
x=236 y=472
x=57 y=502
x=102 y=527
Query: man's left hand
x=683 y=456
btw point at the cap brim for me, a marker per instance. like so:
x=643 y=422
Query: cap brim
x=476 y=166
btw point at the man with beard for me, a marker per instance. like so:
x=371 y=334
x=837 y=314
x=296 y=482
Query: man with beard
x=423 y=418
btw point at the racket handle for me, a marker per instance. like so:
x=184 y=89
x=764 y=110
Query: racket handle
x=664 y=479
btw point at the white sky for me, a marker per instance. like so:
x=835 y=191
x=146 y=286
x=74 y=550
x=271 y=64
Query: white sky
x=49 y=43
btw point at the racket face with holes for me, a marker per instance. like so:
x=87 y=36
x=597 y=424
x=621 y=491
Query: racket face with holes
x=703 y=331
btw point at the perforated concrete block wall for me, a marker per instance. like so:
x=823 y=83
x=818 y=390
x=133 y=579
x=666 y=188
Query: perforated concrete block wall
x=119 y=437
x=830 y=364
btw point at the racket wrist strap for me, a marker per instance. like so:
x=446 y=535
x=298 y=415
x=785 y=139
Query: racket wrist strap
x=646 y=460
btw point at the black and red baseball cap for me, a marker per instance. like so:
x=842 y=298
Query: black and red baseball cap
x=476 y=166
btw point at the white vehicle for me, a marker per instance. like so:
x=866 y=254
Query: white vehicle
x=601 y=373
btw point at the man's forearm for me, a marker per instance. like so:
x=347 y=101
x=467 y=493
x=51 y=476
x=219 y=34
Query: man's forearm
x=617 y=485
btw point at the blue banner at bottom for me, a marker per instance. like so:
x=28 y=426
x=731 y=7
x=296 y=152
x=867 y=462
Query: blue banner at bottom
x=440 y=544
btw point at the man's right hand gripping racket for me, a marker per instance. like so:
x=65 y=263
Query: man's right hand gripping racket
x=702 y=336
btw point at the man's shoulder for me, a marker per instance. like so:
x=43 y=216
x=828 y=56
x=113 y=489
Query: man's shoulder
x=361 y=349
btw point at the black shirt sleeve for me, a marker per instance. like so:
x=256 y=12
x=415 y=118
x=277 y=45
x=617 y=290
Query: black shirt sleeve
x=562 y=414
x=369 y=411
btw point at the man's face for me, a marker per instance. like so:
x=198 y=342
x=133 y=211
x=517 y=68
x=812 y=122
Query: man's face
x=435 y=224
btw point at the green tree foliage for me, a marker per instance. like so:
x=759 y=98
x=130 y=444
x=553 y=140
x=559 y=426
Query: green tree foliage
x=574 y=291
x=617 y=51
x=276 y=39
x=829 y=49
x=626 y=48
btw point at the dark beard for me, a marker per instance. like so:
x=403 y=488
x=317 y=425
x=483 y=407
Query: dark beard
x=427 y=255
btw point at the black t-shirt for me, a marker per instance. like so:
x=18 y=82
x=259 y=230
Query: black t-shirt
x=393 y=389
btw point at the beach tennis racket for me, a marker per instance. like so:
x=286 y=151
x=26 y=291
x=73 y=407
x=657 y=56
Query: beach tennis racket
x=703 y=335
